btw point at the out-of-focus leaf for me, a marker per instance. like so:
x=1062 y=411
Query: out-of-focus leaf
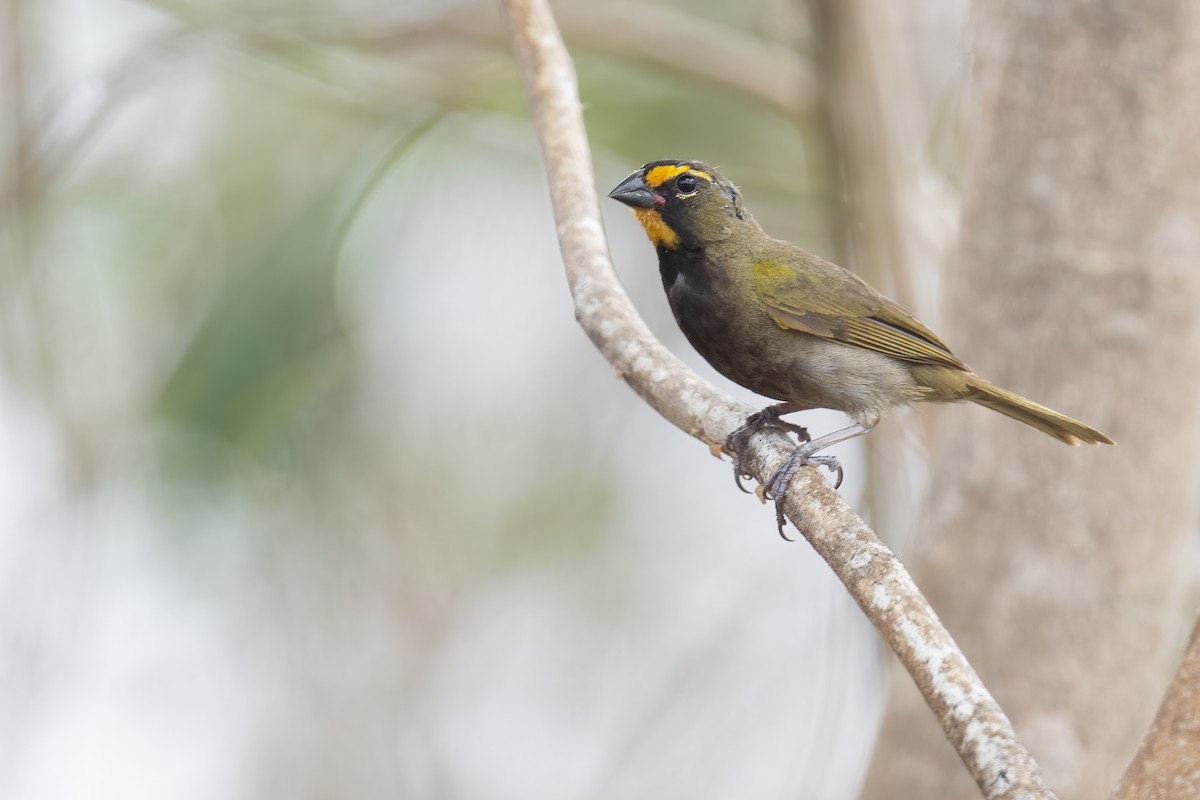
x=262 y=372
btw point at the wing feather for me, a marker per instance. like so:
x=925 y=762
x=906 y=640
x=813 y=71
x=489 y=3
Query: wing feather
x=833 y=303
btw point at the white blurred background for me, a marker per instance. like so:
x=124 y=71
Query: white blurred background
x=310 y=486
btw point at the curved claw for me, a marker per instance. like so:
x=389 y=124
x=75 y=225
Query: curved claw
x=778 y=484
x=734 y=449
x=738 y=474
x=830 y=463
x=767 y=418
x=780 y=521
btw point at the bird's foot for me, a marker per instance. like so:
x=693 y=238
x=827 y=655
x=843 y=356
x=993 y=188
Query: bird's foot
x=767 y=418
x=777 y=484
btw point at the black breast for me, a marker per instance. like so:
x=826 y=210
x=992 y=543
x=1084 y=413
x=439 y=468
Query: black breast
x=727 y=328
x=695 y=290
x=703 y=299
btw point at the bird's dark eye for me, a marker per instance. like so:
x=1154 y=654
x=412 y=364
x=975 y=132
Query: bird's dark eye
x=686 y=184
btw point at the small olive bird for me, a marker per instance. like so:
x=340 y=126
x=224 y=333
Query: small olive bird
x=796 y=328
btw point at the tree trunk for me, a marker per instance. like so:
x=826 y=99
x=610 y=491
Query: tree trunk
x=1168 y=762
x=1058 y=570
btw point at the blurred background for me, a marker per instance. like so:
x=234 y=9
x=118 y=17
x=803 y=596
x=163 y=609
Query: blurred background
x=310 y=486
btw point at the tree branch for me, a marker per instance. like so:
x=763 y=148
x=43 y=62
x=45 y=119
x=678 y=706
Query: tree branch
x=1168 y=762
x=970 y=717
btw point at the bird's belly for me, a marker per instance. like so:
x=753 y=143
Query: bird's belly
x=799 y=368
x=851 y=379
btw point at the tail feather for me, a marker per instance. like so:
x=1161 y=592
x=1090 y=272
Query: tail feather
x=1060 y=426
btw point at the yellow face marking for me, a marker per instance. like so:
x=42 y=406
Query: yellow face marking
x=660 y=175
x=660 y=233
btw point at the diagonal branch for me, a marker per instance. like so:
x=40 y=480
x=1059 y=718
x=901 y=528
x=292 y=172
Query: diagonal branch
x=973 y=722
x=1168 y=762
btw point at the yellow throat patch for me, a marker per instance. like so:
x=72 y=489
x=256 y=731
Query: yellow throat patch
x=660 y=233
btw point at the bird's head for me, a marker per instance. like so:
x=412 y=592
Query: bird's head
x=683 y=204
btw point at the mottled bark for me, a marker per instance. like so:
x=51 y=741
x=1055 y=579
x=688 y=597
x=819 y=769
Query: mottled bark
x=1167 y=764
x=1059 y=570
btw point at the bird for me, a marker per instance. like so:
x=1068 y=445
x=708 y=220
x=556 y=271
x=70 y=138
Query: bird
x=791 y=326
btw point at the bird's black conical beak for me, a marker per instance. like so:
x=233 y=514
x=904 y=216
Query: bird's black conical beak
x=634 y=192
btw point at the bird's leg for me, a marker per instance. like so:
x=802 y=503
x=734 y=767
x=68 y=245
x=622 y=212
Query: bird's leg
x=806 y=453
x=769 y=417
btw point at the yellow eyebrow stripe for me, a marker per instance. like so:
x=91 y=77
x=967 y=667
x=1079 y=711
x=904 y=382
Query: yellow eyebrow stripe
x=660 y=175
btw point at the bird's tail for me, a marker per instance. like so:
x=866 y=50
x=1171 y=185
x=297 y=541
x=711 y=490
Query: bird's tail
x=1060 y=426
